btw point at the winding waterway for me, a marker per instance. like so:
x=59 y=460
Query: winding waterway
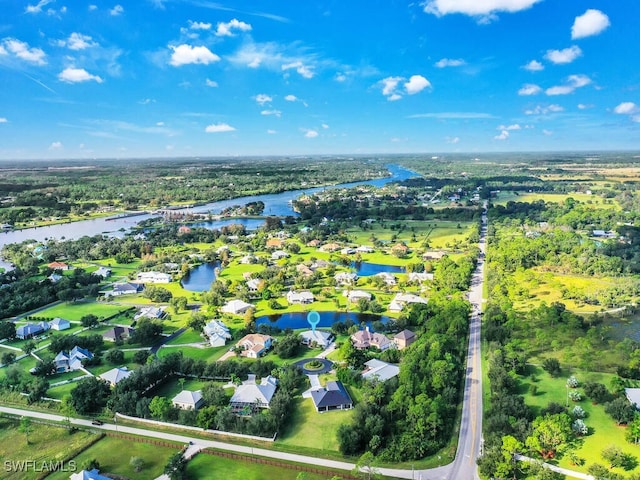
x=275 y=204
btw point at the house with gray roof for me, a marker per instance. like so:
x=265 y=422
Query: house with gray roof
x=252 y=395
x=379 y=370
x=116 y=375
x=69 y=362
x=332 y=397
x=30 y=330
x=126 y=288
x=59 y=324
x=188 y=400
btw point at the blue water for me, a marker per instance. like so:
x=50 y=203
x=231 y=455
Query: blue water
x=297 y=320
x=366 y=269
x=249 y=223
x=200 y=278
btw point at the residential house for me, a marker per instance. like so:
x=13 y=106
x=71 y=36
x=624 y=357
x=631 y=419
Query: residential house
x=188 y=400
x=118 y=333
x=400 y=249
x=88 y=475
x=355 y=295
x=320 y=337
x=30 y=330
x=154 y=277
x=403 y=299
x=253 y=285
x=329 y=247
x=605 y=234
x=388 y=278
x=126 y=288
x=364 y=249
x=103 y=272
x=319 y=264
x=313 y=243
x=249 y=259
x=275 y=243
x=254 y=345
x=303 y=270
x=433 y=255
x=116 y=375
x=155 y=313
x=379 y=370
x=217 y=333
x=420 y=277
x=184 y=229
x=366 y=338
x=332 y=397
x=348 y=251
x=252 y=395
x=59 y=324
x=54 y=278
x=304 y=297
x=404 y=339
x=59 y=266
x=236 y=307
x=279 y=255
x=68 y=362
x=346 y=278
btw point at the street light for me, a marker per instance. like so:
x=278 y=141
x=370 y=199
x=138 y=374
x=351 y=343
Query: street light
x=567 y=395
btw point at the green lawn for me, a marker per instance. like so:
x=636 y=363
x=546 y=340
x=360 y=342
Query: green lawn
x=188 y=336
x=207 y=354
x=594 y=201
x=172 y=387
x=46 y=444
x=205 y=466
x=114 y=455
x=313 y=430
x=603 y=430
x=75 y=311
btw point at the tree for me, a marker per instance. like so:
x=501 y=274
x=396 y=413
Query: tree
x=620 y=410
x=90 y=395
x=137 y=464
x=597 y=392
x=25 y=427
x=552 y=366
x=616 y=457
x=115 y=357
x=160 y=407
x=29 y=346
x=37 y=389
x=176 y=468
x=367 y=466
x=147 y=331
x=207 y=416
x=288 y=346
x=633 y=431
x=7 y=330
x=8 y=358
x=141 y=356
x=214 y=395
x=550 y=434
x=89 y=321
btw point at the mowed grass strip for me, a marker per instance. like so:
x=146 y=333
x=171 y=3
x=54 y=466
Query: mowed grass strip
x=114 y=456
x=47 y=443
x=75 y=311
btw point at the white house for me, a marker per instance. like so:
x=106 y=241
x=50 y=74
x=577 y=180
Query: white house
x=68 y=362
x=116 y=375
x=236 y=307
x=403 y=299
x=59 y=324
x=253 y=284
x=217 y=333
x=345 y=278
x=253 y=395
x=388 y=278
x=254 y=344
x=320 y=337
x=154 y=277
x=379 y=370
x=150 y=312
x=420 y=277
x=300 y=297
x=126 y=288
x=364 y=249
x=188 y=400
x=279 y=254
x=355 y=295
x=103 y=272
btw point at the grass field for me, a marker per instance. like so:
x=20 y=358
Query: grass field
x=207 y=354
x=171 y=388
x=205 y=466
x=313 y=430
x=591 y=200
x=603 y=430
x=46 y=444
x=114 y=455
x=75 y=311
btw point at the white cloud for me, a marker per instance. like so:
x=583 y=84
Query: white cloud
x=304 y=70
x=389 y=85
x=218 y=128
x=22 y=51
x=37 y=8
x=117 y=10
x=275 y=113
x=452 y=140
x=340 y=77
x=563 y=56
x=484 y=9
x=591 y=22
x=450 y=62
x=394 y=97
x=548 y=133
x=626 y=108
x=515 y=126
x=272 y=132
x=263 y=98
x=453 y=115
x=3 y=120
x=93 y=8
x=310 y=133
x=78 y=41
x=584 y=106
x=77 y=75
x=211 y=83
x=199 y=25
x=325 y=126
x=534 y=66
x=159 y=124
x=416 y=84
x=226 y=29
x=146 y=101
x=544 y=110
x=573 y=82
x=503 y=135
x=187 y=54
x=291 y=98
x=55 y=146
x=529 y=89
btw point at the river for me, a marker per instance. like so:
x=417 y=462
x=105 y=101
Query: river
x=275 y=204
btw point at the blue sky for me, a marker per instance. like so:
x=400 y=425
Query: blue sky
x=150 y=78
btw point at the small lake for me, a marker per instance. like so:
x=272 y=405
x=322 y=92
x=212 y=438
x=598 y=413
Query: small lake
x=200 y=278
x=248 y=223
x=366 y=269
x=297 y=320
